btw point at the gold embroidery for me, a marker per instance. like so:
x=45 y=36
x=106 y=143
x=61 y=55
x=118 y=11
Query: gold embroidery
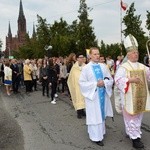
x=139 y=91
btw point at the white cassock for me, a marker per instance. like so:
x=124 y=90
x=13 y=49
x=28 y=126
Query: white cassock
x=88 y=86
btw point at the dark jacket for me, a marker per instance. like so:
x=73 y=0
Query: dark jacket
x=52 y=74
x=15 y=71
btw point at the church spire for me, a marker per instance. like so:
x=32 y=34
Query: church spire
x=34 y=33
x=9 y=30
x=21 y=24
x=21 y=13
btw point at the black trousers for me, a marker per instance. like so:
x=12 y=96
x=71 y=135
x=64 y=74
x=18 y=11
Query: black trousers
x=63 y=82
x=34 y=83
x=28 y=84
x=15 y=83
x=45 y=86
x=53 y=89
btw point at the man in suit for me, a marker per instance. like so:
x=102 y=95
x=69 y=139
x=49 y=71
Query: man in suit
x=15 y=75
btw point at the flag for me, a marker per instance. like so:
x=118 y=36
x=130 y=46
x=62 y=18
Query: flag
x=123 y=5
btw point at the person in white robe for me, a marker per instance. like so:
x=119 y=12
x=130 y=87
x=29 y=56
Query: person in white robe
x=131 y=79
x=96 y=86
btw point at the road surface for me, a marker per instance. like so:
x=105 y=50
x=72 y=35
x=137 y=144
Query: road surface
x=31 y=122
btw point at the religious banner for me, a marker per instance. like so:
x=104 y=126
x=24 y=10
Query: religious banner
x=87 y=53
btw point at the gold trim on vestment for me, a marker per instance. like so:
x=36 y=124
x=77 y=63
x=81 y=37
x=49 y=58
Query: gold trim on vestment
x=139 y=92
x=137 y=96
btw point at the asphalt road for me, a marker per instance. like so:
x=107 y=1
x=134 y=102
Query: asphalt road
x=31 y=122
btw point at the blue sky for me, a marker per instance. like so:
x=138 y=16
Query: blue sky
x=105 y=15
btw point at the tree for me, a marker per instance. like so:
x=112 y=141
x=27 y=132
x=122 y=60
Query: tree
x=60 y=38
x=73 y=28
x=1 y=45
x=133 y=26
x=148 y=22
x=85 y=34
x=0 y=48
x=112 y=50
x=43 y=35
x=26 y=51
x=103 y=49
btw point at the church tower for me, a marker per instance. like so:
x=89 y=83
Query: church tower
x=34 y=33
x=21 y=25
x=8 y=40
x=9 y=32
x=13 y=43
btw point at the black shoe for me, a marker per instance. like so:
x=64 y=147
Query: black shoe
x=137 y=143
x=83 y=113
x=79 y=114
x=100 y=143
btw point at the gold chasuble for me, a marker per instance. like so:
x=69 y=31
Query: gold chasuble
x=137 y=98
x=73 y=84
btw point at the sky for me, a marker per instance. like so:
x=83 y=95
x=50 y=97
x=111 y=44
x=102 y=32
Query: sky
x=104 y=13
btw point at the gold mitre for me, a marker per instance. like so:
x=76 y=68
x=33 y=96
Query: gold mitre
x=130 y=43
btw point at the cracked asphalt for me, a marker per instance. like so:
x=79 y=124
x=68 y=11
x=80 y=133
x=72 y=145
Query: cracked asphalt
x=31 y=122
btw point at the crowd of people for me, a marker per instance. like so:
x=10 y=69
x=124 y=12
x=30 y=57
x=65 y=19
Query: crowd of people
x=89 y=82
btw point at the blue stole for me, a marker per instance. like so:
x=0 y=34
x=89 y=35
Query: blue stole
x=101 y=90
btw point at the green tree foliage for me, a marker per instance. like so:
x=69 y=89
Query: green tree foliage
x=132 y=23
x=73 y=28
x=112 y=50
x=103 y=49
x=1 y=45
x=0 y=48
x=133 y=26
x=43 y=35
x=85 y=34
x=61 y=38
x=148 y=22
x=25 y=51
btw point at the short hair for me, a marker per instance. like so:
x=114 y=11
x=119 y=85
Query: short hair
x=27 y=61
x=101 y=55
x=7 y=63
x=93 y=48
x=78 y=54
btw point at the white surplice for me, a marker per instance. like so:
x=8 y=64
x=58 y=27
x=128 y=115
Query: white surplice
x=88 y=86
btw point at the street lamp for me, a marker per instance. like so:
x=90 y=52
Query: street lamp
x=9 y=51
x=47 y=48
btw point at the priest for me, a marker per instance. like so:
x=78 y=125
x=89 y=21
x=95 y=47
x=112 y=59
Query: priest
x=131 y=79
x=73 y=85
x=96 y=86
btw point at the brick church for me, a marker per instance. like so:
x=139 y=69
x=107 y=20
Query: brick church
x=13 y=43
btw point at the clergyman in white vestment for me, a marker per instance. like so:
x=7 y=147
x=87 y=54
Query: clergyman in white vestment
x=131 y=79
x=96 y=86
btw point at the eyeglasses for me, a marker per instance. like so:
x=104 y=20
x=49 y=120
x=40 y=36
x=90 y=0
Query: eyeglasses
x=81 y=57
